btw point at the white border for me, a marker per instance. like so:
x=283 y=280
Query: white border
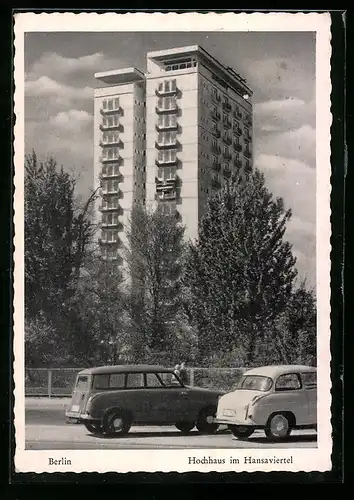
x=318 y=459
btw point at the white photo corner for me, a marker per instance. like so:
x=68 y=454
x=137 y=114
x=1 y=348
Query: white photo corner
x=172 y=242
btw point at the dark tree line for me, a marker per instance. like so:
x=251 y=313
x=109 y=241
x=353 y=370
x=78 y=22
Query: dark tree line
x=231 y=298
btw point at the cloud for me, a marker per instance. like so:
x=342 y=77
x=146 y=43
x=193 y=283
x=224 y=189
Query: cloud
x=45 y=86
x=298 y=144
x=282 y=114
x=60 y=67
x=71 y=120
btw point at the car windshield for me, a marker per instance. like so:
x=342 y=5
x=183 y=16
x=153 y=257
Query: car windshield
x=255 y=383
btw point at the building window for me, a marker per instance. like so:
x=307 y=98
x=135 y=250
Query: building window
x=110 y=137
x=226 y=151
x=167 y=121
x=167 y=103
x=166 y=173
x=110 y=153
x=110 y=170
x=166 y=156
x=110 y=219
x=167 y=137
x=167 y=86
x=109 y=235
x=111 y=104
x=110 y=121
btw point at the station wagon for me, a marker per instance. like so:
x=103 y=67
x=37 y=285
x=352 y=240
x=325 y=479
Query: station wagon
x=110 y=399
x=274 y=398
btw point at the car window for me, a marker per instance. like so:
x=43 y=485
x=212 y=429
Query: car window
x=101 y=381
x=117 y=380
x=135 y=380
x=82 y=383
x=309 y=380
x=169 y=379
x=255 y=383
x=288 y=382
x=152 y=380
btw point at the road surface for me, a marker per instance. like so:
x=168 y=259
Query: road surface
x=46 y=429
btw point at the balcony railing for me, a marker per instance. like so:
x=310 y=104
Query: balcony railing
x=111 y=208
x=112 y=142
x=216 y=166
x=248 y=138
x=111 y=191
x=238 y=130
x=109 y=241
x=111 y=175
x=112 y=111
x=166 y=126
x=166 y=161
x=227 y=156
x=215 y=149
x=215 y=184
x=173 y=107
x=238 y=115
x=115 y=126
x=166 y=145
x=237 y=147
x=106 y=159
x=166 y=184
x=215 y=98
x=238 y=163
x=216 y=133
x=114 y=225
x=166 y=90
x=227 y=123
x=169 y=195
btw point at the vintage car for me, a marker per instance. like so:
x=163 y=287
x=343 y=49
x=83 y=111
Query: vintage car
x=110 y=399
x=274 y=398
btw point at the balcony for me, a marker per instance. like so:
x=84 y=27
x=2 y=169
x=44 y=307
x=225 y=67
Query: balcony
x=238 y=131
x=216 y=166
x=238 y=163
x=227 y=140
x=216 y=133
x=166 y=126
x=248 y=120
x=166 y=145
x=111 y=175
x=247 y=153
x=171 y=195
x=226 y=173
x=166 y=90
x=114 y=225
x=238 y=115
x=109 y=241
x=165 y=184
x=227 y=156
x=113 y=142
x=115 y=126
x=226 y=105
x=215 y=149
x=247 y=138
x=112 y=111
x=163 y=108
x=166 y=161
x=237 y=147
x=215 y=115
x=227 y=124
x=215 y=98
x=111 y=191
x=215 y=184
x=106 y=159
x=111 y=208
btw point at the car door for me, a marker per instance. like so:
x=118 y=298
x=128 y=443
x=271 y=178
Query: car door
x=133 y=397
x=289 y=396
x=309 y=383
x=167 y=398
x=80 y=395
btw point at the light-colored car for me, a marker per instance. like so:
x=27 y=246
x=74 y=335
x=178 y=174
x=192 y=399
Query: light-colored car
x=274 y=398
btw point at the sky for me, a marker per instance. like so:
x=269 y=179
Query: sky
x=279 y=67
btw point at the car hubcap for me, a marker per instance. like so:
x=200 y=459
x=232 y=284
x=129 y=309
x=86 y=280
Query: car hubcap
x=117 y=423
x=279 y=425
x=209 y=419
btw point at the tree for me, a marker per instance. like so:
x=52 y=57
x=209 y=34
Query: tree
x=58 y=235
x=154 y=265
x=240 y=272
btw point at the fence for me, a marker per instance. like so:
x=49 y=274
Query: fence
x=59 y=382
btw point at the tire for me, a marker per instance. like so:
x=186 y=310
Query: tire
x=241 y=431
x=116 y=423
x=204 y=423
x=185 y=427
x=93 y=428
x=278 y=426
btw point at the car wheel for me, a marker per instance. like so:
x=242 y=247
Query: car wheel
x=205 y=423
x=185 y=427
x=93 y=428
x=241 y=431
x=278 y=426
x=116 y=423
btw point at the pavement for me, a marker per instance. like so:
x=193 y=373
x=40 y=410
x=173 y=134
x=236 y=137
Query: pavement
x=46 y=429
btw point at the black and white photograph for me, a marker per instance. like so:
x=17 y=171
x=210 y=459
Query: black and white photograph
x=172 y=242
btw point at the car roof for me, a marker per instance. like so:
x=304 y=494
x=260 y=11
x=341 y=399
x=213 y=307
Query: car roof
x=125 y=369
x=276 y=370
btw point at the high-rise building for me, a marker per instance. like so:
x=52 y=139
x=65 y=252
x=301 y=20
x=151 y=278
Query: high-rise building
x=173 y=136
